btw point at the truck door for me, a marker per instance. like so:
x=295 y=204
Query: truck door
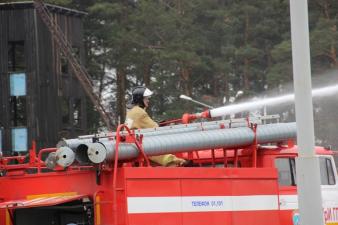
x=328 y=175
x=288 y=201
x=286 y=167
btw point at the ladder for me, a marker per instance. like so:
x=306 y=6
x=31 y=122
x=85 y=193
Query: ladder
x=79 y=71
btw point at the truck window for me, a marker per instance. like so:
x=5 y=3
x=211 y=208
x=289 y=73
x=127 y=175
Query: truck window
x=326 y=171
x=286 y=171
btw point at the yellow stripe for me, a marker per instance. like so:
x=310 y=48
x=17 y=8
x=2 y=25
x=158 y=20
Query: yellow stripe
x=61 y=194
x=8 y=219
x=332 y=223
x=98 y=210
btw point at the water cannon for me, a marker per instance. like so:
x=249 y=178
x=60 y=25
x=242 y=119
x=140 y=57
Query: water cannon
x=187 y=118
x=224 y=110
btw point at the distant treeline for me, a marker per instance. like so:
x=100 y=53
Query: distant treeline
x=207 y=49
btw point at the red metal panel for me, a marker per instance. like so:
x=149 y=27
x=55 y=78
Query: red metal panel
x=155 y=218
x=209 y=218
x=187 y=185
x=198 y=172
x=256 y=218
x=158 y=183
x=153 y=187
x=38 y=202
x=19 y=187
x=257 y=187
x=254 y=187
x=103 y=206
x=285 y=217
x=149 y=182
x=3 y=217
x=207 y=187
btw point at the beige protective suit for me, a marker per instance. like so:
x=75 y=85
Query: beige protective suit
x=138 y=118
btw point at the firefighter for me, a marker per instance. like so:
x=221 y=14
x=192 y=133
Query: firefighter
x=138 y=118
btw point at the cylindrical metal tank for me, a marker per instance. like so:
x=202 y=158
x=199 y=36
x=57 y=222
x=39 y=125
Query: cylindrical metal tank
x=63 y=157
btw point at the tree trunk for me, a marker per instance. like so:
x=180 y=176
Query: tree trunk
x=226 y=87
x=216 y=86
x=179 y=7
x=333 y=52
x=246 y=82
x=101 y=75
x=246 y=60
x=121 y=89
x=146 y=74
x=185 y=78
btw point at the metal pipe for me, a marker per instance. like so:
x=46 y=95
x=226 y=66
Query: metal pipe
x=182 y=128
x=41 y=152
x=199 y=140
x=63 y=157
x=81 y=153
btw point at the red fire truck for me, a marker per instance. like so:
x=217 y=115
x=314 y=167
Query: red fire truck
x=231 y=179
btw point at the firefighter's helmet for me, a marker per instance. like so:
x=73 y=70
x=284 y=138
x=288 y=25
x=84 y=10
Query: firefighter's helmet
x=138 y=94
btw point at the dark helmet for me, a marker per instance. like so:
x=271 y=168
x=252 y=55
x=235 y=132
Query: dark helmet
x=138 y=94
